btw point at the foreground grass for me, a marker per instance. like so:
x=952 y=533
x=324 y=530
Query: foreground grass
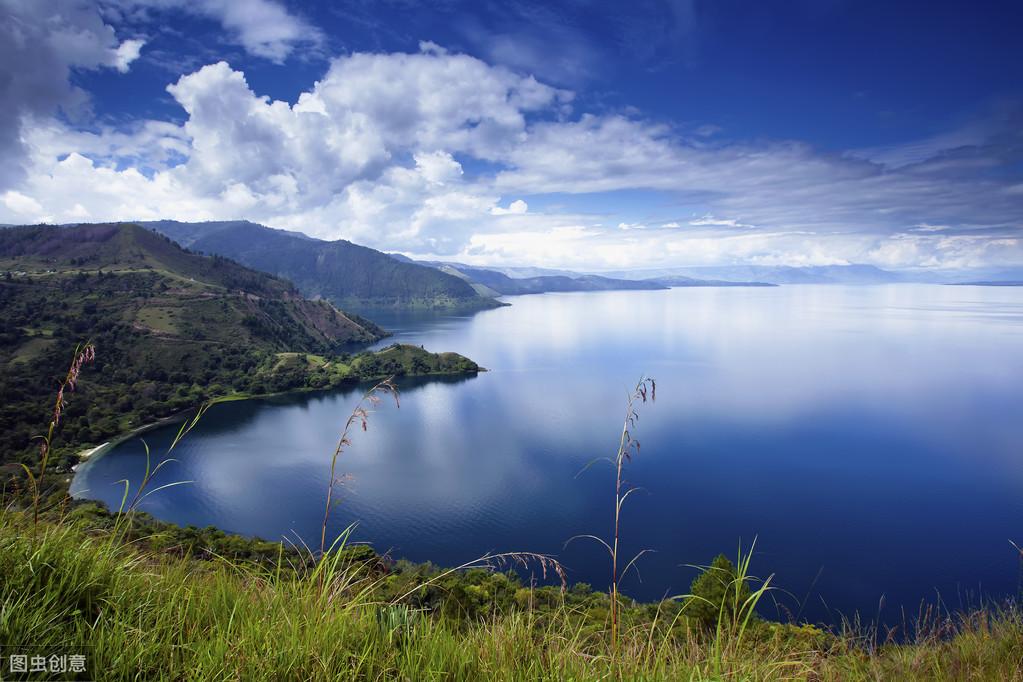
x=140 y=614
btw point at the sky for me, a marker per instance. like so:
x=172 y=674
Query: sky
x=571 y=134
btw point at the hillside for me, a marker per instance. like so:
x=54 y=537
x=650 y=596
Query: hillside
x=164 y=290
x=346 y=274
x=171 y=328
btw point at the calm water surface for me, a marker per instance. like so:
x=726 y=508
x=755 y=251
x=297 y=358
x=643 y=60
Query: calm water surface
x=871 y=438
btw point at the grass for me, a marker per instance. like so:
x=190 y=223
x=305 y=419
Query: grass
x=158 y=319
x=32 y=348
x=358 y=418
x=142 y=615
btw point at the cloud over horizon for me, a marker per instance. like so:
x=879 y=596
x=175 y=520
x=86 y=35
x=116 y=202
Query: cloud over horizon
x=440 y=153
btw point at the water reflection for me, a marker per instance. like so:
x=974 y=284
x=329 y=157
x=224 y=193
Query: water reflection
x=870 y=436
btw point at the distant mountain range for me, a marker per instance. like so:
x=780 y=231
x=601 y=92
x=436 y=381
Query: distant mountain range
x=1008 y=283
x=499 y=284
x=358 y=278
x=820 y=274
x=520 y=280
x=348 y=275
x=823 y=274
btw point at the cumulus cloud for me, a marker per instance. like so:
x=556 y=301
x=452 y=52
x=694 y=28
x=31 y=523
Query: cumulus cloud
x=369 y=152
x=41 y=43
x=427 y=152
x=438 y=167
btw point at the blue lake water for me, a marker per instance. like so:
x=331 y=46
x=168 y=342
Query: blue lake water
x=871 y=438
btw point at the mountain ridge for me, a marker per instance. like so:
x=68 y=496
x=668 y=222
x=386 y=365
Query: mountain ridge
x=347 y=274
x=185 y=289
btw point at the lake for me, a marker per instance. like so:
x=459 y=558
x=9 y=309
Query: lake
x=870 y=438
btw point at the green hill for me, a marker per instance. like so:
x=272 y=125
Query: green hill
x=339 y=271
x=172 y=329
x=159 y=287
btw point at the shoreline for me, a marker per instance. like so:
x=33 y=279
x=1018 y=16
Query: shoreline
x=91 y=454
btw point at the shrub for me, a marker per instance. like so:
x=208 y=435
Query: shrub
x=714 y=593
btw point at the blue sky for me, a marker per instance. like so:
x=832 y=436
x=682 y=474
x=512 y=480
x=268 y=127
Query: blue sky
x=568 y=134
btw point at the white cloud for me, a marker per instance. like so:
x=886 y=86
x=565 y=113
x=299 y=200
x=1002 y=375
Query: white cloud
x=438 y=167
x=262 y=27
x=21 y=204
x=41 y=43
x=708 y=130
x=265 y=28
x=419 y=152
x=925 y=227
x=126 y=53
x=517 y=207
x=718 y=222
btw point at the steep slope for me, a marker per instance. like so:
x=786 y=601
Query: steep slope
x=168 y=291
x=344 y=273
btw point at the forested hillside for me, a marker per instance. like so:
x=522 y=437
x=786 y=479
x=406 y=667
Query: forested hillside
x=171 y=328
x=346 y=274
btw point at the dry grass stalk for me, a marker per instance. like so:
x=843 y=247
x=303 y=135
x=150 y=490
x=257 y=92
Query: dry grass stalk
x=627 y=447
x=360 y=417
x=84 y=354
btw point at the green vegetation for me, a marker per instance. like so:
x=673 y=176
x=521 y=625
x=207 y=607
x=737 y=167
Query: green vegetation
x=142 y=599
x=172 y=329
x=133 y=387
x=156 y=611
x=346 y=274
x=716 y=591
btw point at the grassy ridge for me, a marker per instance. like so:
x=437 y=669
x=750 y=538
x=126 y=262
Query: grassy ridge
x=142 y=614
